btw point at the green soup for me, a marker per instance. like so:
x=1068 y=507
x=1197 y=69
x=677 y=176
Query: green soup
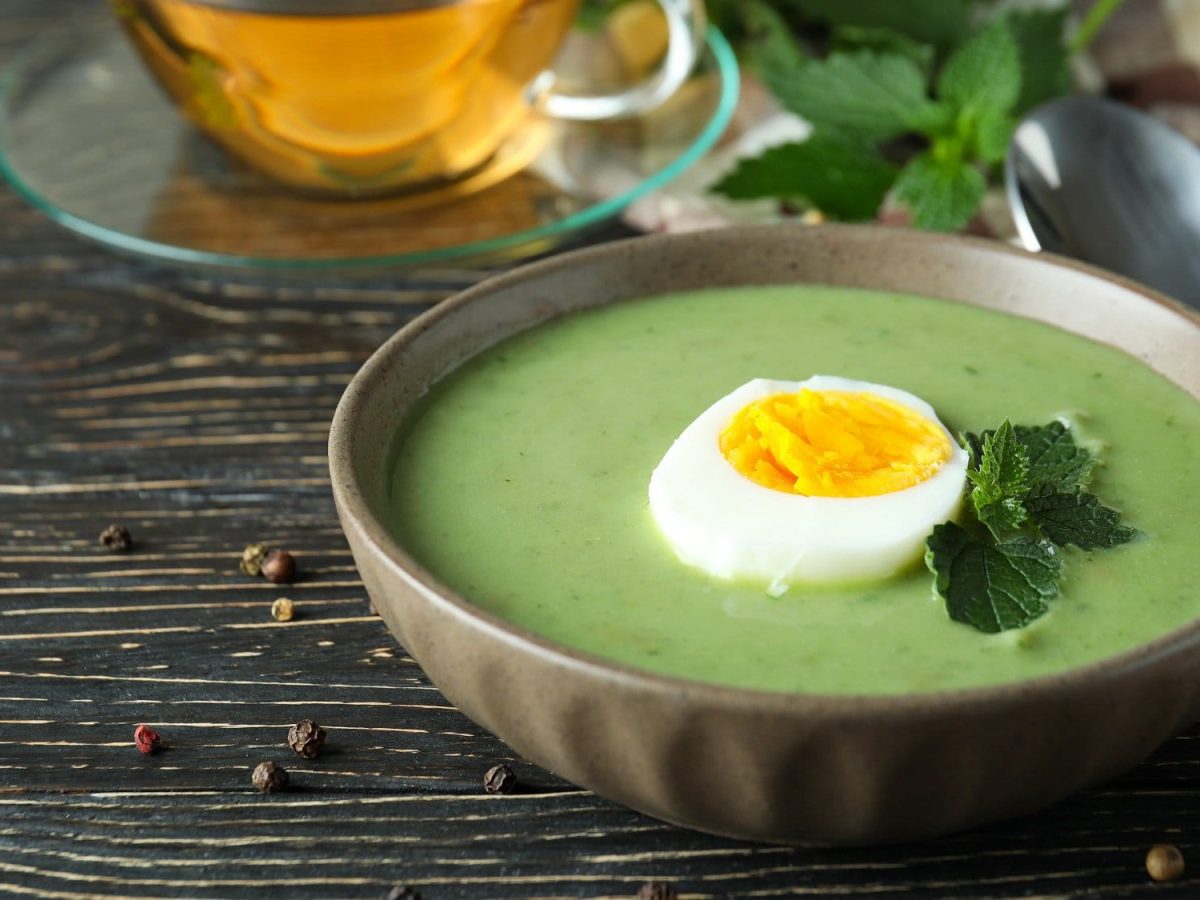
x=522 y=483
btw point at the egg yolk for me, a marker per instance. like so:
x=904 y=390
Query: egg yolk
x=834 y=444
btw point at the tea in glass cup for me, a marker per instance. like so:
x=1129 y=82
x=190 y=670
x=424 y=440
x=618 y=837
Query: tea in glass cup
x=358 y=97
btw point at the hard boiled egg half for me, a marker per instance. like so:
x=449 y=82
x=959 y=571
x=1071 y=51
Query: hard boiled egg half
x=817 y=481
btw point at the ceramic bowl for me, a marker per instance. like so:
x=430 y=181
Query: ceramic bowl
x=767 y=766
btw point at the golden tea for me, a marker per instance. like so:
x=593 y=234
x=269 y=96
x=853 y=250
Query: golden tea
x=372 y=98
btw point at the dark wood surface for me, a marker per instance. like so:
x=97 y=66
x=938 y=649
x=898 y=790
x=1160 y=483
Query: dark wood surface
x=194 y=409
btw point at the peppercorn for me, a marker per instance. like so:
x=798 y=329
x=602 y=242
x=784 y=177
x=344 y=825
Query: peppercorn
x=403 y=892
x=117 y=538
x=657 y=890
x=283 y=609
x=279 y=567
x=307 y=738
x=269 y=777
x=252 y=559
x=147 y=739
x=1164 y=862
x=500 y=779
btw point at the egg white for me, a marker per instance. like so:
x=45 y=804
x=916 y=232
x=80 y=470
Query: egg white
x=718 y=520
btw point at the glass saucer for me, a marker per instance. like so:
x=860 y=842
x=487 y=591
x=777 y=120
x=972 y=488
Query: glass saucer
x=87 y=137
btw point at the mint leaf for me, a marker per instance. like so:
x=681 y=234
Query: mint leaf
x=942 y=23
x=984 y=74
x=992 y=587
x=864 y=95
x=1000 y=481
x=1045 y=65
x=942 y=194
x=1076 y=517
x=840 y=177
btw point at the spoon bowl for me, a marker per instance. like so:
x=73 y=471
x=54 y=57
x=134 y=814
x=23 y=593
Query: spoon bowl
x=1112 y=186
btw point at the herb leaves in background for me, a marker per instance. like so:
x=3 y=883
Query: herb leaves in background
x=839 y=175
x=916 y=70
x=923 y=96
x=940 y=23
x=1025 y=500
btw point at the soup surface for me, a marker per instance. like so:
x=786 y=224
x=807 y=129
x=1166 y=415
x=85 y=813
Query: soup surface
x=522 y=483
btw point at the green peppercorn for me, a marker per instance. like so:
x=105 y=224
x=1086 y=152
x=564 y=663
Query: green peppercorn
x=252 y=559
x=283 y=610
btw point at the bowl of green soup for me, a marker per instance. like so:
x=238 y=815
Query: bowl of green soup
x=836 y=534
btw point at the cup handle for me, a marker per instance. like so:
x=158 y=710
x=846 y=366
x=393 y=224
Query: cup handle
x=686 y=23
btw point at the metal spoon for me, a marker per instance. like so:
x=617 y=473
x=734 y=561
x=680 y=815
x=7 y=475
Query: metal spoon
x=1106 y=184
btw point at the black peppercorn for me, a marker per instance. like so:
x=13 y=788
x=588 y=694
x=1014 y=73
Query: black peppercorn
x=117 y=538
x=403 y=892
x=279 y=567
x=269 y=777
x=500 y=779
x=657 y=890
x=307 y=738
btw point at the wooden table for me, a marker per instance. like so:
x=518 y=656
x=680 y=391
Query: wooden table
x=194 y=410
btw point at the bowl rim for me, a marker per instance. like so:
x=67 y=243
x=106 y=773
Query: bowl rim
x=356 y=512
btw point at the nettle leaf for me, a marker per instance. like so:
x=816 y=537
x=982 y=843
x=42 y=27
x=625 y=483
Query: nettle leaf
x=1026 y=476
x=1000 y=481
x=849 y=38
x=1076 y=517
x=865 y=95
x=1054 y=457
x=942 y=23
x=933 y=120
x=993 y=130
x=941 y=194
x=992 y=586
x=1045 y=60
x=771 y=46
x=842 y=178
x=973 y=444
x=983 y=74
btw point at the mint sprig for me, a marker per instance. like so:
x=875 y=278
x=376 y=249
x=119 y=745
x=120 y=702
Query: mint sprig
x=1025 y=500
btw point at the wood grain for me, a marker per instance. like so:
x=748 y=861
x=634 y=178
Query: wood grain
x=194 y=409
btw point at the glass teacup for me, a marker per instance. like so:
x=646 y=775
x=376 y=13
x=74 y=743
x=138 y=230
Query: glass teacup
x=369 y=96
